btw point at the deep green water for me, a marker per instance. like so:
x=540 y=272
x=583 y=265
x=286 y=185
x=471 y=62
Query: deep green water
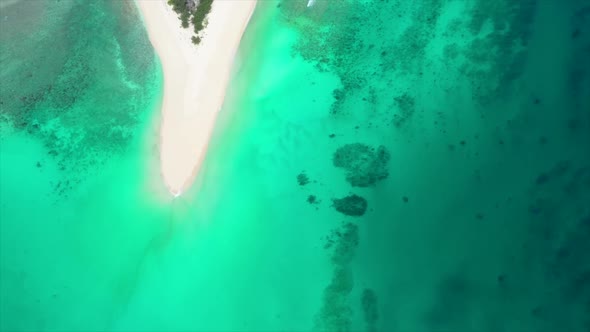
x=463 y=127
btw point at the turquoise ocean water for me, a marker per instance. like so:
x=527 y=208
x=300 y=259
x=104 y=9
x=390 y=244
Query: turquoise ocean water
x=377 y=166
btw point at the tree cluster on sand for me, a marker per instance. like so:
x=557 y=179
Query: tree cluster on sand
x=195 y=12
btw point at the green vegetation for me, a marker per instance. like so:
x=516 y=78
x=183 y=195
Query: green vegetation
x=184 y=17
x=200 y=15
x=178 y=6
x=197 y=16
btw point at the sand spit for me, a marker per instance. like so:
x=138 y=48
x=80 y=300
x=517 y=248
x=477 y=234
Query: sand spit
x=195 y=81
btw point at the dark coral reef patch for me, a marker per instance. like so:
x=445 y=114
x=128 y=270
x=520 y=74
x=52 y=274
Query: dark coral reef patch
x=364 y=165
x=351 y=205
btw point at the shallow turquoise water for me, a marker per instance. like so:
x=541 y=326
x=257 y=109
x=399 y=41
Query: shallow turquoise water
x=77 y=210
x=463 y=127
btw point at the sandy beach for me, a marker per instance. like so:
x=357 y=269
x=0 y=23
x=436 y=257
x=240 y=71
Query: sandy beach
x=195 y=81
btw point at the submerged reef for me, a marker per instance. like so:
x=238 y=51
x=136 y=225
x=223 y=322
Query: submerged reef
x=370 y=310
x=336 y=311
x=347 y=239
x=312 y=199
x=364 y=165
x=351 y=205
x=87 y=101
x=407 y=92
x=302 y=179
x=407 y=107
